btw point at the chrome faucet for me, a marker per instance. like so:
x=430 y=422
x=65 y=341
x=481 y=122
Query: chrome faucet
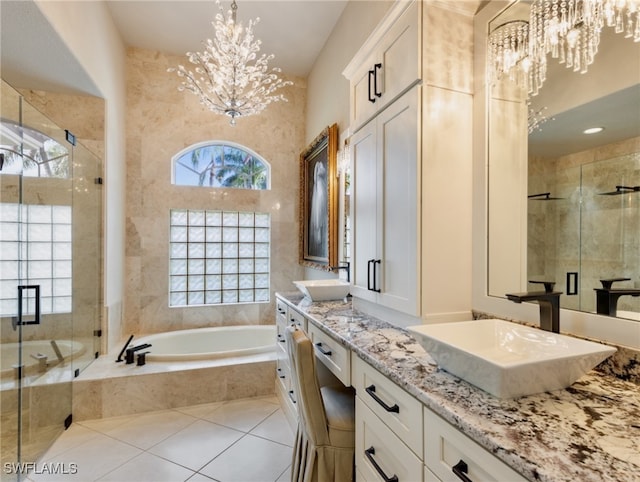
x=607 y=296
x=549 y=302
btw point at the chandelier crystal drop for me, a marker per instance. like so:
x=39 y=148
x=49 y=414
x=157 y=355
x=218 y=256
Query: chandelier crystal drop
x=569 y=30
x=509 y=53
x=229 y=77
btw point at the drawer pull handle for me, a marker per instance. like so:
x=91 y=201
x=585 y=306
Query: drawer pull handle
x=461 y=469
x=370 y=452
x=291 y=396
x=281 y=339
x=322 y=350
x=280 y=371
x=371 y=390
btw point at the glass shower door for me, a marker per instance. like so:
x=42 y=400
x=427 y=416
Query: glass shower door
x=36 y=295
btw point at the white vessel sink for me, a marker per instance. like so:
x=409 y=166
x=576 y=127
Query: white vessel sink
x=509 y=360
x=324 y=290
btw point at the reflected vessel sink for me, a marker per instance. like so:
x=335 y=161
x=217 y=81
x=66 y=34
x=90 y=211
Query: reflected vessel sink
x=509 y=360
x=324 y=290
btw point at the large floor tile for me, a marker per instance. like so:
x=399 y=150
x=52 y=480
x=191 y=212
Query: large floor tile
x=146 y=430
x=147 y=467
x=242 y=414
x=74 y=436
x=196 y=445
x=275 y=427
x=251 y=459
x=93 y=459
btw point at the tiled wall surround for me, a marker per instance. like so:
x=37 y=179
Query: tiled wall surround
x=108 y=389
x=161 y=121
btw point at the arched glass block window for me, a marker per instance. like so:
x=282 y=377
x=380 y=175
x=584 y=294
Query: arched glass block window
x=221 y=164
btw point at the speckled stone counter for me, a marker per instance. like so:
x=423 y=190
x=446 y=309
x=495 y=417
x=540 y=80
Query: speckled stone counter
x=589 y=431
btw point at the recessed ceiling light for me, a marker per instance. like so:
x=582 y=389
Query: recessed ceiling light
x=593 y=130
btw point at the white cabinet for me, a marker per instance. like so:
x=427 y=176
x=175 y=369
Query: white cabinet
x=386 y=182
x=387 y=65
x=380 y=454
x=447 y=451
x=336 y=357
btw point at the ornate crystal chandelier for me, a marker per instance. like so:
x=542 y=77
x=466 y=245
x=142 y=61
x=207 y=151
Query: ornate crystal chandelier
x=570 y=30
x=229 y=77
x=508 y=53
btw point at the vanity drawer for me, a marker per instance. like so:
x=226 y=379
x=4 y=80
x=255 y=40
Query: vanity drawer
x=445 y=447
x=377 y=445
x=332 y=354
x=296 y=318
x=395 y=407
x=281 y=307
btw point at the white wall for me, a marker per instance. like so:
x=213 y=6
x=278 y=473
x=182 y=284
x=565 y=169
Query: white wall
x=89 y=32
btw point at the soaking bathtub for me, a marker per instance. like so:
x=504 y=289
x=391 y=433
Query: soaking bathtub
x=32 y=351
x=209 y=343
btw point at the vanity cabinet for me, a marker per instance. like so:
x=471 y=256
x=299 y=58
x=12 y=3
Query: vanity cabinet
x=388 y=427
x=387 y=65
x=384 y=208
x=447 y=451
x=286 y=316
x=331 y=354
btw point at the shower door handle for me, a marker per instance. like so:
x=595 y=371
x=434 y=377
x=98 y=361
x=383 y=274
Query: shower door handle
x=36 y=320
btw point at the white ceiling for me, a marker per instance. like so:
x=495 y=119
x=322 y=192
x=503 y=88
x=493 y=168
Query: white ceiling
x=294 y=31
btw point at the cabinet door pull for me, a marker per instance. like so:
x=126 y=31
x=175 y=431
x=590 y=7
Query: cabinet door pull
x=281 y=339
x=376 y=67
x=375 y=275
x=322 y=350
x=291 y=396
x=461 y=469
x=371 y=390
x=371 y=98
x=281 y=376
x=369 y=263
x=370 y=452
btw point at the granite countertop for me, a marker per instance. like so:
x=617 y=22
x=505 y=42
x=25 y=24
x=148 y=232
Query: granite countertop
x=589 y=431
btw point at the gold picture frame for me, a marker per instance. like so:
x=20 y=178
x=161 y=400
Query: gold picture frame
x=318 y=246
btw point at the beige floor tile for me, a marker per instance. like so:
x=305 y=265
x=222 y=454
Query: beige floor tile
x=146 y=430
x=196 y=445
x=251 y=459
x=201 y=411
x=276 y=428
x=93 y=459
x=242 y=414
x=147 y=467
x=74 y=436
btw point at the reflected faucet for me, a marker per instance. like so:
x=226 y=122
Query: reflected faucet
x=346 y=266
x=549 y=302
x=607 y=296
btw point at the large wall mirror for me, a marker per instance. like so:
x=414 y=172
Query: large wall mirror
x=564 y=206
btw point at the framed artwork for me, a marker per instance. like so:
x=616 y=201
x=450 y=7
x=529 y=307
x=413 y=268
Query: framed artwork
x=319 y=201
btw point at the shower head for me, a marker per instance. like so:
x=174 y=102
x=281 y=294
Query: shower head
x=545 y=196
x=621 y=190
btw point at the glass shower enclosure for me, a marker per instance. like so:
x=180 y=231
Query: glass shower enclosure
x=50 y=276
x=584 y=227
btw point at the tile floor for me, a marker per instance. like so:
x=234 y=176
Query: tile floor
x=246 y=440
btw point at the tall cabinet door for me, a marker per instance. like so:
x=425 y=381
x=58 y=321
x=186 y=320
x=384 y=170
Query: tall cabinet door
x=399 y=185
x=363 y=210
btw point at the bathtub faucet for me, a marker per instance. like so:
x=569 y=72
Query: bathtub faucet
x=130 y=352
x=119 y=359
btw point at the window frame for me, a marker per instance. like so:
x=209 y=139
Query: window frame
x=213 y=143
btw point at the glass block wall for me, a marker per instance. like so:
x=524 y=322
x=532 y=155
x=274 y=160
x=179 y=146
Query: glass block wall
x=35 y=249
x=218 y=257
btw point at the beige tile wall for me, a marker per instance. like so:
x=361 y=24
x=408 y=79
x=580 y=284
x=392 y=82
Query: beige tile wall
x=161 y=121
